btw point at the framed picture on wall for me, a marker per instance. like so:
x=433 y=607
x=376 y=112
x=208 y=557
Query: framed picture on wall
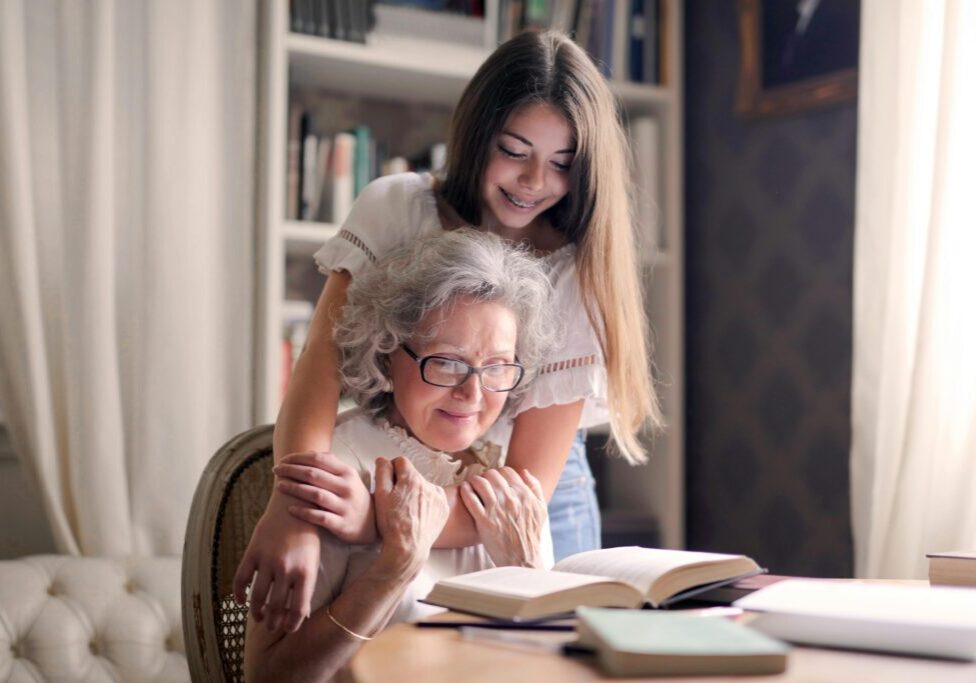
x=797 y=55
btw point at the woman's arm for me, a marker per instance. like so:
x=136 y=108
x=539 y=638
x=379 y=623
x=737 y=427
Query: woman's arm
x=410 y=512
x=282 y=555
x=540 y=443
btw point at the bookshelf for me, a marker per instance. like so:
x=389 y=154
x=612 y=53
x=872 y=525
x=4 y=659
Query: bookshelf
x=404 y=69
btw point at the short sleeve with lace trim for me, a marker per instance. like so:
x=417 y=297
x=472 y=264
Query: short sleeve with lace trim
x=389 y=213
x=574 y=370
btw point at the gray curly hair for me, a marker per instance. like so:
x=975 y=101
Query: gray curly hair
x=386 y=305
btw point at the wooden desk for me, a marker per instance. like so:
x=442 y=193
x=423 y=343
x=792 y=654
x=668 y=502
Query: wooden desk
x=408 y=654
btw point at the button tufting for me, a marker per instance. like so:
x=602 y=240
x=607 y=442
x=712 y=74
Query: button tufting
x=93 y=647
x=16 y=651
x=169 y=644
x=53 y=589
x=130 y=587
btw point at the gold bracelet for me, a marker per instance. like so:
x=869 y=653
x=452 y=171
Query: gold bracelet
x=328 y=612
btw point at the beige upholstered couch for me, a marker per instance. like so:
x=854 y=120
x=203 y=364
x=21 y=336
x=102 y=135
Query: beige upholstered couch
x=91 y=619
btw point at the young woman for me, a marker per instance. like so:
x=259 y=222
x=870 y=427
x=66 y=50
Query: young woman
x=536 y=155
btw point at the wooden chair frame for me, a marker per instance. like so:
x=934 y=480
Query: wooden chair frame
x=230 y=498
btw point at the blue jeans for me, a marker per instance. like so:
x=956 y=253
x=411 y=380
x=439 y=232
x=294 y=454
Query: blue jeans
x=574 y=515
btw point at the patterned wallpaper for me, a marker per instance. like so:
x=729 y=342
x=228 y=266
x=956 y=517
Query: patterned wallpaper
x=769 y=248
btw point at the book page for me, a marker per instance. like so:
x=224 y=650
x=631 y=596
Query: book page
x=640 y=567
x=522 y=582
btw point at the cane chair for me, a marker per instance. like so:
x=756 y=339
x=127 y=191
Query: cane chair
x=232 y=493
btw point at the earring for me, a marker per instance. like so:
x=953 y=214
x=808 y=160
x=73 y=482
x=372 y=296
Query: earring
x=387 y=386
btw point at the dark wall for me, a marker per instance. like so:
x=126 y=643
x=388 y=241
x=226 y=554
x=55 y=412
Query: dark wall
x=769 y=248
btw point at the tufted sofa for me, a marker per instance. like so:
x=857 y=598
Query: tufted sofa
x=91 y=619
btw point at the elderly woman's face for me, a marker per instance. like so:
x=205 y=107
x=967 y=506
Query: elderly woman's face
x=449 y=419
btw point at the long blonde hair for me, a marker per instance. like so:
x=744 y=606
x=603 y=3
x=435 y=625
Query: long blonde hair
x=595 y=214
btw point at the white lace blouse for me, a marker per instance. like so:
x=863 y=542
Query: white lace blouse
x=393 y=210
x=359 y=440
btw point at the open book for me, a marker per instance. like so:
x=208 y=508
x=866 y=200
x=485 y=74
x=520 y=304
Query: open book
x=613 y=577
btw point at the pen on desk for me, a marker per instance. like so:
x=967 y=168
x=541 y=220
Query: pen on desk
x=712 y=612
x=497 y=637
x=502 y=625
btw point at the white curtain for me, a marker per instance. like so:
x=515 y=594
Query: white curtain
x=126 y=232
x=913 y=455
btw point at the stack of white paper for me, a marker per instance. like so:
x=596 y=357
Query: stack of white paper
x=887 y=617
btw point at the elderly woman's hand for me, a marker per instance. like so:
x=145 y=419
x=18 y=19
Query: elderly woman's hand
x=509 y=510
x=410 y=515
x=335 y=496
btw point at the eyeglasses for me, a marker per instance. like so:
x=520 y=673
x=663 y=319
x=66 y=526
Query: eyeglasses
x=450 y=372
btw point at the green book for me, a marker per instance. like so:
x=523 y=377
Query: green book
x=631 y=642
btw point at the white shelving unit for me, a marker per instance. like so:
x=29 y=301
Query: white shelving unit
x=417 y=70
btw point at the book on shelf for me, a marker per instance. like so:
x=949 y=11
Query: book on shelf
x=884 y=617
x=953 y=568
x=337 y=19
x=293 y=163
x=655 y=643
x=296 y=316
x=309 y=167
x=611 y=577
x=642 y=41
x=622 y=36
x=342 y=181
x=645 y=141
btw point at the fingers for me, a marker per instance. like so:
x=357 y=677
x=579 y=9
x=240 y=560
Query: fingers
x=301 y=596
x=313 y=476
x=402 y=468
x=243 y=578
x=384 y=476
x=534 y=484
x=321 y=498
x=259 y=594
x=329 y=521
x=276 y=608
x=471 y=500
x=328 y=462
x=486 y=492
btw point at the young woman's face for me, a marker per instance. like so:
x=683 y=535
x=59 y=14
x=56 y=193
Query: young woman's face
x=449 y=419
x=528 y=169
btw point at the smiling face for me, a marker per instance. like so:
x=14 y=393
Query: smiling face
x=449 y=419
x=527 y=171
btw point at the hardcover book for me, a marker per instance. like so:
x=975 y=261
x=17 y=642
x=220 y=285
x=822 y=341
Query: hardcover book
x=651 y=643
x=954 y=568
x=612 y=577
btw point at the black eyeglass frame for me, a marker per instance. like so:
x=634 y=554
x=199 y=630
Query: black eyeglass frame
x=422 y=362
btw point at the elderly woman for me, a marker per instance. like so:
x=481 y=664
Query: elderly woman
x=434 y=343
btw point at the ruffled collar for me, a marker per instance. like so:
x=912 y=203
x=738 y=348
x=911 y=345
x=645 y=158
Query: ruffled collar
x=436 y=466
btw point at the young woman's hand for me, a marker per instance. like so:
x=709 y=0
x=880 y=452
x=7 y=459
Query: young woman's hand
x=334 y=495
x=282 y=559
x=410 y=515
x=509 y=510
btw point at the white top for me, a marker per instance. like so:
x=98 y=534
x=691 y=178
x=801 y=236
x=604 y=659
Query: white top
x=359 y=440
x=393 y=210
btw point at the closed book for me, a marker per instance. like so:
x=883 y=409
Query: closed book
x=293 y=172
x=362 y=165
x=954 y=568
x=341 y=174
x=646 y=142
x=310 y=157
x=649 y=643
x=612 y=577
x=884 y=617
